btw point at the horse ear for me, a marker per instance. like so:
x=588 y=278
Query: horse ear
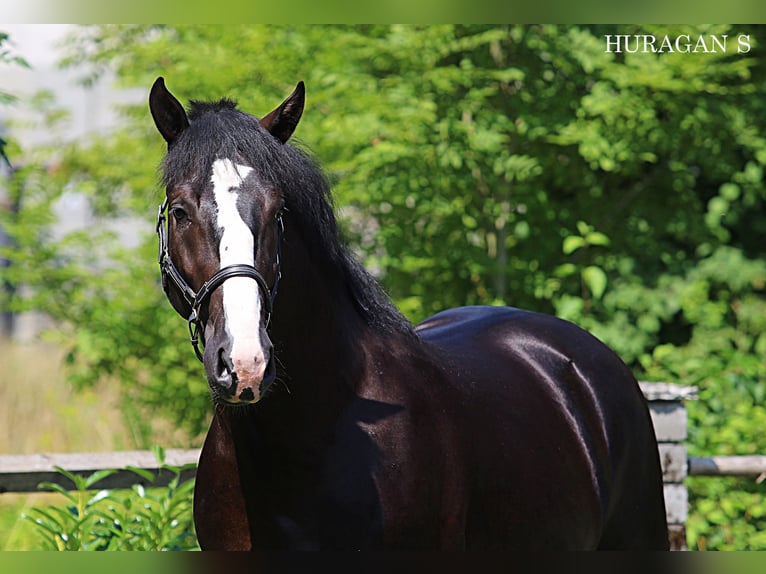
x=281 y=123
x=168 y=113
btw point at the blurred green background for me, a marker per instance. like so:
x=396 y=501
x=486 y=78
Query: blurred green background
x=383 y=11
x=498 y=164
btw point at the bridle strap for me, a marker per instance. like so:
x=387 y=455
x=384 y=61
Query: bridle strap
x=167 y=268
x=196 y=300
x=239 y=270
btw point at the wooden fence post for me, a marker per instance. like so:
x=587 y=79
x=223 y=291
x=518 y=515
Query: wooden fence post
x=669 y=417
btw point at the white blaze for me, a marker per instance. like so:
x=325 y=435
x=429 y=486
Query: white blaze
x=241 y=297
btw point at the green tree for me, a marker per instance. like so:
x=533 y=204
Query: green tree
x=7 y=57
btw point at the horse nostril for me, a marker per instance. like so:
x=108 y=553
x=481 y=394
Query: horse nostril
x=224 y=375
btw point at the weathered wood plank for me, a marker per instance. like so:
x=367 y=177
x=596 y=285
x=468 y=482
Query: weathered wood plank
x=676 y=503
x=669 y=419
x=677 y=536
x=745 y=465
x=674 y=462
x=667 y=391
x=22 y=473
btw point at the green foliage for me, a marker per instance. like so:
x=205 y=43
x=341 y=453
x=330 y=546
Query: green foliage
x=7 y=57
x=521 y=165
x=729 y=514
x=142 y=519
x=715 y=318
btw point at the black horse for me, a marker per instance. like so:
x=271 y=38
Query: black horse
x=339 y=425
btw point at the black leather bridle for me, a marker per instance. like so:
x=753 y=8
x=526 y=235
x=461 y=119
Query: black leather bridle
x=171 y=277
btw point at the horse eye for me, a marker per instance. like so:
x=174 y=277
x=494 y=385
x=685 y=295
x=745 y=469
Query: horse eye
x=179 y=214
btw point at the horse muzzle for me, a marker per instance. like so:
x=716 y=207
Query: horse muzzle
x=242 y=378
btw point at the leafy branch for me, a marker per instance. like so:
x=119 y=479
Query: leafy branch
x=139 y=519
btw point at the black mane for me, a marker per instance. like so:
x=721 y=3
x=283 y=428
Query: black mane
x=220 y=130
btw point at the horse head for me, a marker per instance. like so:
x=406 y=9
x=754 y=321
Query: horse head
x=220 y=240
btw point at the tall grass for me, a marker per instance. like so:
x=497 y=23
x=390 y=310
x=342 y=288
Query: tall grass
x=40 y=412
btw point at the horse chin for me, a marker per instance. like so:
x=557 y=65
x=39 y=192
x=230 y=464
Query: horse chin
x=234 y=402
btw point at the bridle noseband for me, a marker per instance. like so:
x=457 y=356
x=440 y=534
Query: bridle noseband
x=195 y=301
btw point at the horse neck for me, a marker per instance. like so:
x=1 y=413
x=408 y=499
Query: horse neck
x=319 y=339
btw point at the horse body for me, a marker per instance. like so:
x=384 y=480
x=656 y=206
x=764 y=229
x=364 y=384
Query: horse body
x=483 y=427
x=495 y=465
x=556 y=415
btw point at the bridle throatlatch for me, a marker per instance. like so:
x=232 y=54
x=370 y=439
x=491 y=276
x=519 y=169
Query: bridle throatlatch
x=194 y=301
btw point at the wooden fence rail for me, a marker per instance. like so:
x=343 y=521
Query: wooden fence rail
x=23 y=473
x=753 y=465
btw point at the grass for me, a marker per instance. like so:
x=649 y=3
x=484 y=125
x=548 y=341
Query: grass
x=15 y=532
x=42 y=413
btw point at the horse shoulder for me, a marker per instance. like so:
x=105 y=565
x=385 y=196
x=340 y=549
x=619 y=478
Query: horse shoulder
x=220 y=507
x=410 y=430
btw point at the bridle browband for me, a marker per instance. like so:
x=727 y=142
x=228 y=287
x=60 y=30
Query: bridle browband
x=195 y=301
